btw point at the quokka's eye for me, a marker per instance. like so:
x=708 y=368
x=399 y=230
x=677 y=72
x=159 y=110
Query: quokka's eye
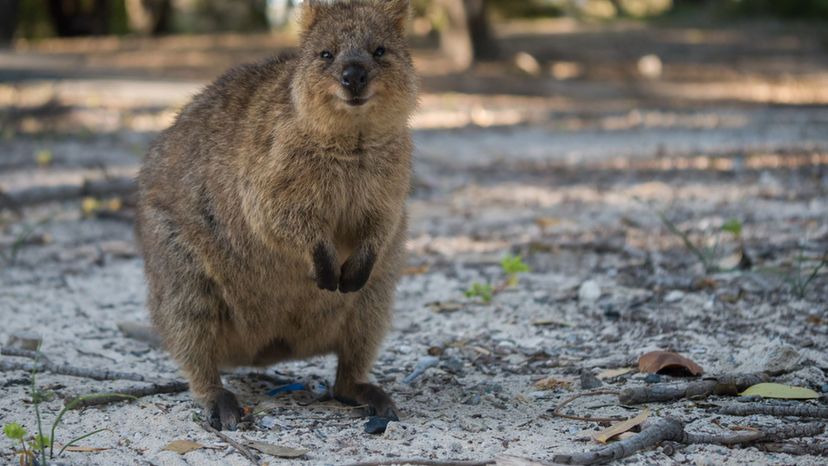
x=380 y=51
x=325 y=55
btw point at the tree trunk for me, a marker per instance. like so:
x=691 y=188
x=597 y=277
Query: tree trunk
x=70 y=18
x=8 y=19
x=466 y=36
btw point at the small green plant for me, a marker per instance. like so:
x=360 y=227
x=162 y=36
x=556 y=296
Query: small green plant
x=709 y=257
x=35 y=450
x=511 y=266
x=483 y=291
x=800 y=280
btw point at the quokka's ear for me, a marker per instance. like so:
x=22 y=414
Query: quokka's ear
x=309 y=13
x=398 y=10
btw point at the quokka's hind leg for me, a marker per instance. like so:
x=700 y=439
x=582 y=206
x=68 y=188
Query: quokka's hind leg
x=357 y=350
x=189 y=314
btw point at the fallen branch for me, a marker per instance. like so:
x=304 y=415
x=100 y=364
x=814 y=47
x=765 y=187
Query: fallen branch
x=65 y=369
x=138 y=391
x=724 y=385
x=816 y=449
x=557 y=411
x=23 y=353
x=672 y=429
x=244 y=451
x=797 y=410
x=420 y=462
x=114 y=186
x=651 y=435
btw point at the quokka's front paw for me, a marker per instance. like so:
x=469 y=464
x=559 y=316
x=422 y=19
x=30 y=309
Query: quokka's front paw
x=356 y=270
x=224 y=411
x=324 y=264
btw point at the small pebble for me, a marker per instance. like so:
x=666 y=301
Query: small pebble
x=589 y=381
x=652 y=378
x=824 y=388
x=589 y=291
x=674 y=296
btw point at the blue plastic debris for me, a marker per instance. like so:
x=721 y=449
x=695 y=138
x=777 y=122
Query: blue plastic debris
x=289 y=388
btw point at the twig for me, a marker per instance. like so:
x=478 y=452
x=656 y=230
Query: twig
x=816 y=449
x=797 y=410
x=244 y=451
x=724 y=385
x=421 y=462
x=65 y=369
x=557 y=410
x=137 y=391
x=672 y=429
x=119 y=185
x=23 y=353
x=703 y=258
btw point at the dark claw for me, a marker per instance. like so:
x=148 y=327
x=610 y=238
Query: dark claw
x=356 y=271
x=324 y=262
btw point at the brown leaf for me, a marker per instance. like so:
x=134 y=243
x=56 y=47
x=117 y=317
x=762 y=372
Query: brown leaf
x=659 y=361
x=182 y=446
x=550 y=383
x=623 y=426
x=278 y=451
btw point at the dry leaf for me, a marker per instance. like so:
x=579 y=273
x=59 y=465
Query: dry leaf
x=777 y=390
x=550 y=383
x=613 y=373
x=623 y=426
x=445 y=306
x=278 y=451
x=657 y=361
x=416 y=269
x=182 y=446
x=547 y=222
x=82 y=449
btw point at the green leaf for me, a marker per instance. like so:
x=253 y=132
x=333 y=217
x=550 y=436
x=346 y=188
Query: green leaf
x=42 y=442
x=481 y=290
x=14 y=431
x=513 y=264
x=733 y=227
x=776 y=390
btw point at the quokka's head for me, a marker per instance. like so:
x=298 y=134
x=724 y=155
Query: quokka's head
x=354 y=64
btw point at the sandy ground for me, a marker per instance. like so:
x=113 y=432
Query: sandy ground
x=572 y=180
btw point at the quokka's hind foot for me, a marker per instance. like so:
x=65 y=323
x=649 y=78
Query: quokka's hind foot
x=223 y=410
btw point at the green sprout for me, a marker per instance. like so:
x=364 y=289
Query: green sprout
x=480 y=290
x=512 y=266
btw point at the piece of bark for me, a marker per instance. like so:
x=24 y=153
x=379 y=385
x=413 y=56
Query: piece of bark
x=795 y=410
x=65 y=369
x=137 y=391
x=724 y=385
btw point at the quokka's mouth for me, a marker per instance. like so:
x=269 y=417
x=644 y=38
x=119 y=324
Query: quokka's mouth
x=357 y=101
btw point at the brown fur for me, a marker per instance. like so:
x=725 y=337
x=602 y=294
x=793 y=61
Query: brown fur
x=268 y=192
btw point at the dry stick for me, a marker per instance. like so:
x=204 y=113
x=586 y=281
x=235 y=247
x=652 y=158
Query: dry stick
x=120 y=185
x=724 y=385
x=816 y=449
x=136 y=391
x=798 y=410
x=672 y=429
x=244 y=451
x=23 y=353
x=557 y=411
x=419 y=462
x=65 y=369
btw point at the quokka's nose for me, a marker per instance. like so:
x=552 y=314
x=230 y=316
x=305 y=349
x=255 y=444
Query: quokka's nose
x=354 y=78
